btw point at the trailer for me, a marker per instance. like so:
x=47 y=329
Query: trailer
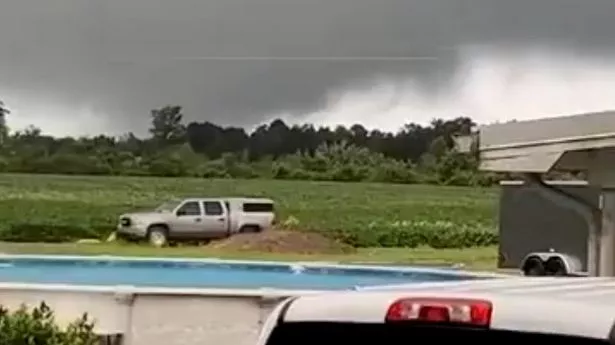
x=583 y=143
x=539 y=236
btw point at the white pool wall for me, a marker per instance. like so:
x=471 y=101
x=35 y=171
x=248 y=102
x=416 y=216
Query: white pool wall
x=156 y=316
x=170 y=316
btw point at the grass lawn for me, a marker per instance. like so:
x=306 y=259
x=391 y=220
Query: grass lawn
x=472 y=258
x=89 y=206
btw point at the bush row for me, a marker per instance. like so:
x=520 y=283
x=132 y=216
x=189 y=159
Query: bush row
x=337 y=162
x=409 y=236
x=466 y=238
x=49 y=233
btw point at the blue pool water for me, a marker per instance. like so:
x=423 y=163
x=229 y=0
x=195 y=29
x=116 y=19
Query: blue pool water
x=207 y=274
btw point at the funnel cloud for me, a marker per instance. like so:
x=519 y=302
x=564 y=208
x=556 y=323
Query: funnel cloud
x=90 y=66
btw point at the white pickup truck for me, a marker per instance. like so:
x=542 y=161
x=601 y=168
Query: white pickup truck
x=197 y=219
x=563 y=311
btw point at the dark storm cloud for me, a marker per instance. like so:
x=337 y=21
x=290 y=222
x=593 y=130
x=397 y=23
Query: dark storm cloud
x=128 y=56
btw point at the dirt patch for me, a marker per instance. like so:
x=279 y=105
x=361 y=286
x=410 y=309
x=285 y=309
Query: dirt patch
x=279 y=241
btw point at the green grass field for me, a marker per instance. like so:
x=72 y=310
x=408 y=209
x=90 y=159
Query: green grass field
x=319 y=205
x=95 y=203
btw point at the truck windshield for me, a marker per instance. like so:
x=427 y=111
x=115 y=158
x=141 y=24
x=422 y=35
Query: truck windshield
x=376 y=334
x=168 y=206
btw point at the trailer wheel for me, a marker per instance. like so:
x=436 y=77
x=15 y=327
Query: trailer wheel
x=555 y=267
x=534 y=267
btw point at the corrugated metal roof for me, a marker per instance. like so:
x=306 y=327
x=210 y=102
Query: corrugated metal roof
x=539 y=131
x=551 y=182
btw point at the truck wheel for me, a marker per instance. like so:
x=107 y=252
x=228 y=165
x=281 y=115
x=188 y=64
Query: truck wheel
x=158 y=236
x=250 y=229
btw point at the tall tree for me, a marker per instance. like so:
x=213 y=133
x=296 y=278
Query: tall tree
x=4 y=131
x=167 y=126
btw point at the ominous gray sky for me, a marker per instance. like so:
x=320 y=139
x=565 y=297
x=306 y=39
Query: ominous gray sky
x=89 y=66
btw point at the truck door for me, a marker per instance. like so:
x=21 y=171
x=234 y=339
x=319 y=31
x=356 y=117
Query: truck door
x=189 y=221
x=215 y=220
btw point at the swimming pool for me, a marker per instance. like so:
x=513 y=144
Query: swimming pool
x=210 y=273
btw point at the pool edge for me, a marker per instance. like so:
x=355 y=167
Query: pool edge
x=152 y=290
x=306 y=264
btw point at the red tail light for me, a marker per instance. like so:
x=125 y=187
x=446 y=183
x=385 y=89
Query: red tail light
x=441 y=310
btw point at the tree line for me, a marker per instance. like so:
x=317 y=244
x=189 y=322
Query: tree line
x=173 y=148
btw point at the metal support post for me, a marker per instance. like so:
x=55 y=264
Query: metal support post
x=607 y=234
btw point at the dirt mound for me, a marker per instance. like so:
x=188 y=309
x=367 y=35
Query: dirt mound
x=278 y=241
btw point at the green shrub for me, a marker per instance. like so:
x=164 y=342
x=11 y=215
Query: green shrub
x=438 y=234
x=50 y=233
x=38 y=327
